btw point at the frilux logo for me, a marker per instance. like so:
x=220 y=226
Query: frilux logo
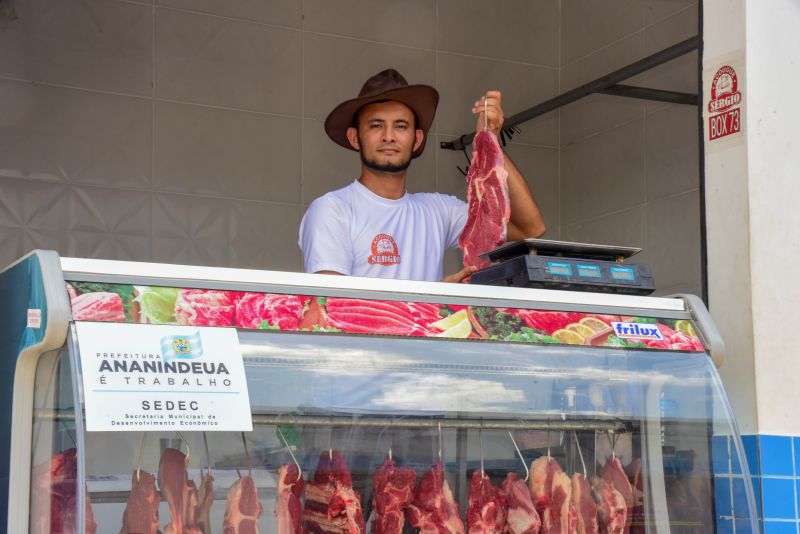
x=637 y=331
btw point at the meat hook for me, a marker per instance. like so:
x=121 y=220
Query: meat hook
x=141 y=452
x=390 y=453
x=480 y=442
x=580 y=454
x=330 y=445
x=522 y=458
x=188 y=450
x=247 y=455
x=208 y=456
x=612 y=440
x=288 y=448
x=440 y=440
x=485 y=115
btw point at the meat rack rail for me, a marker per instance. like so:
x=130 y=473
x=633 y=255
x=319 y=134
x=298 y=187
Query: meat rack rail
x=566 y=423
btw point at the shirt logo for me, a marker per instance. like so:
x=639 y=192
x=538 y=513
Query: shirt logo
x=637 y=331
x=384 y=251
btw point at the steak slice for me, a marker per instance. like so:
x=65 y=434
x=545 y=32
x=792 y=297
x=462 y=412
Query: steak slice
x=614 y=475
x=487 y=506
x=332 y=505
x=584 y=505
x=522 y=515
x=552 y=496
x=434 y=510
x=611 y=509
x=288 y=508
x=242 y=508
x=141 y=512
x=392 y=491
x=487 y=196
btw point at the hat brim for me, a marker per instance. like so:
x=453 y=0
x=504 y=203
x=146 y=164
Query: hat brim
x=422 y=99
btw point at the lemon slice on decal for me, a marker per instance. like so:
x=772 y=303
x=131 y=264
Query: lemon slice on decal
x=569 y=337
x=461 y=330
x=594 y=323
x=451 y=320
x=686 y=327
x=581 y=329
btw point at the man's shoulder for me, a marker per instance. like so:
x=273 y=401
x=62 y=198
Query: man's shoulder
x=436 y=199
x=337 y=199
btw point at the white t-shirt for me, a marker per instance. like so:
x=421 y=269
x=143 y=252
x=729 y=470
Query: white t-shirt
x=355 y=232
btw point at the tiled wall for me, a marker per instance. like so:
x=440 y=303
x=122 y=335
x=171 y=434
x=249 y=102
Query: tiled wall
x=774 y=467
x=629 y=168
x=190 y=131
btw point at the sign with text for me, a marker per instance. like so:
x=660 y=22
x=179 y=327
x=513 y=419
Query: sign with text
x=724 y=104
x=159 y=377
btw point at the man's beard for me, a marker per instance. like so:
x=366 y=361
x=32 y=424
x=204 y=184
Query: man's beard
x=377 y=166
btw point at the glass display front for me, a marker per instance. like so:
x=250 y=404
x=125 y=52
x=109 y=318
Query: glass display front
x=383 y=434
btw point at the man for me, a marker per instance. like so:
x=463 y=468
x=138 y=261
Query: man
x=373 y=227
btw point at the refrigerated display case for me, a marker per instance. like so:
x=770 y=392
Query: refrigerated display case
x=376 y=405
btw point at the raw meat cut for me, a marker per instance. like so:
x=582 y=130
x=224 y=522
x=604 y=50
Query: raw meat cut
x=54 y=496
x=205 y=501
x=288 y=507
x=381 y=316
x=282 y=311
x=332 y=505
x=434 y=510
x=584 y=505
x=487 y=195
x=611 y=509
x=392 y=490
x=141 y=513
x=522 y=515
x=614 y=475
x=551 y=489
x=100 y=306
x=206 y=307
x=242 y=508
x=487 y=507
x=634 y=472
x=179 y=492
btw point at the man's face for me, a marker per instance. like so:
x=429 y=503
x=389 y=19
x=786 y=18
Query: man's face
x=386 y=137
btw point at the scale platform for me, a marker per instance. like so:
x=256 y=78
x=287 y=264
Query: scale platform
x=547 y=264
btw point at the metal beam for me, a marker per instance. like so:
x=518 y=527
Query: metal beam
x=645 y=93
x=595 y=86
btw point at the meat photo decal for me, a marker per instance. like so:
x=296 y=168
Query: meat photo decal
x=124 y=303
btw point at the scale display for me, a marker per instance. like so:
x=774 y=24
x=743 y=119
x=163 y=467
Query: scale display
x=560 y=265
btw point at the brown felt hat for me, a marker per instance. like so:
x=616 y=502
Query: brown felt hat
x=386 y=85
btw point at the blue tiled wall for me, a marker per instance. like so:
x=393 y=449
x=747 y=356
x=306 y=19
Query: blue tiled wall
x=774 y=465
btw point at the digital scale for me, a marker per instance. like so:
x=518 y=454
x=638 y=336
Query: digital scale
x=547 y=264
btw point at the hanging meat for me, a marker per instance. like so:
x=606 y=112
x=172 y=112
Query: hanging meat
x=634 y=471
x=487 y=195
x=614 y=474
x=332 y=505
x=141 y=512
x=392 y=491
x=552 y=496
x=205 y=501
x=242 y=508
x=611 y=509
x=584 y=505
x=487 y=507
x=288 y=508
x=434 y=510
x=522 y=517
x=179 y=492
x=54 y=494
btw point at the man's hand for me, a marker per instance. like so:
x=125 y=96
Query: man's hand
x=494 y=113
x=460 y=275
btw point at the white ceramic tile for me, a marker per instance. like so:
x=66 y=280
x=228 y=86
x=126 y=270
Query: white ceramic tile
x=602 y=174
x=656 y=10
x=539 y=166
x=264 y=236
x=191 y=230
x=94 y=44
x=32 y=215
x=518 y=30
x=463 y=80
x=110 y=224
x=671 y=151
x=623 y=228
x=226 y=153
x=57 y=134
x=673 y=239
x=223 y=62
x=279 y=12
x=597 y=113
x=337 y=67
x=602 y=62
x=588 y=25
x=453 y=261
x=410 y=23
